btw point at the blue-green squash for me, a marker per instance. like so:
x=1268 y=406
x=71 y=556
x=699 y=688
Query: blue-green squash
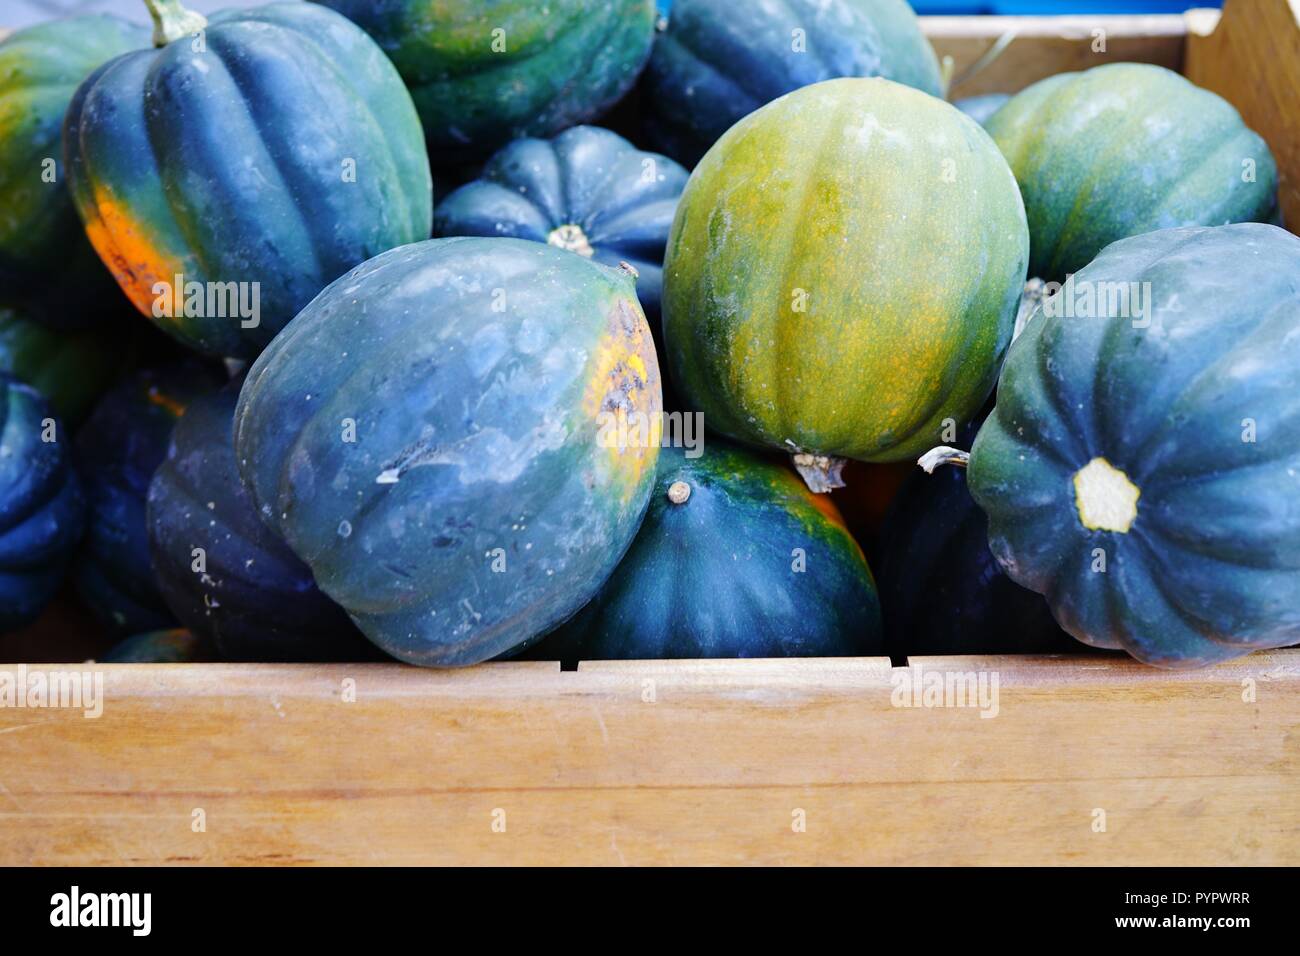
x=941 y=589
x=735 y=558
x=981 y=108
x=257 y=160
x=172 y=646
x=70 y=368
x=42 y=511
x=1142 y=465
x=484 y=72
x=47 y=268
x=459 y=439
x=587 y=190
x=843 y=275
x=249 y=595
x=118 y=449
x=719 y=60
x=1124 y=149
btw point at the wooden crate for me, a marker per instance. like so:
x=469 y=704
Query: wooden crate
x=1086 y=761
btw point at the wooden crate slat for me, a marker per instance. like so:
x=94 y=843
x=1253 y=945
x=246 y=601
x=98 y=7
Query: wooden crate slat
x=588 y=771
x=1047 y=45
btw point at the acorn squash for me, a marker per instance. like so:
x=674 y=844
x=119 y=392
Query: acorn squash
x=588 y=190
x=736 y=558
x=221 y=571
x=70 y=368
x=118 y=449
x=941 y=589
x=459 y=439
x=47 y=268
x=1142 y=466
x=484 y=72
x=42 y=511
x=228 y=176
x=719 y=60
x=843 y=275
x=1124 y=149
x=174 y=646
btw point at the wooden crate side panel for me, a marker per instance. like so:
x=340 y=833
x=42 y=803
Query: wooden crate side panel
x=660 y=762
x=1251 y=57
x=1042 y=46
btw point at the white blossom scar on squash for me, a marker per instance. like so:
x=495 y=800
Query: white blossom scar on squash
x=1104 y=497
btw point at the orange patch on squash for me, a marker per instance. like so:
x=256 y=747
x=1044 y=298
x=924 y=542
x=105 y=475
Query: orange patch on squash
x=135 y=262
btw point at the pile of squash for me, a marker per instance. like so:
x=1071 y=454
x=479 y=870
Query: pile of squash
x=435 y=369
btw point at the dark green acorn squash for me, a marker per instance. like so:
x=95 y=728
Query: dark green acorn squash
x=47 y=268
x=71 y=369
x=843 y=275
x=449 y=437
x=42 y=511
x=264 y=157
x=735 y=558
x=174 y=646
x=251 y=597
x=1124 y=149
x=941 y=589
x=720 y=60
x=1142 y=466
x=588 y=190
x=118 y=449
x=484 y=72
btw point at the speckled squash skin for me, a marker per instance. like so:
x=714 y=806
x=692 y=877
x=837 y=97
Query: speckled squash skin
x=587 y=190
x=941 y=589
x=174 y=646
x=843 y=273
x=42 y=511
x=719 y=60
x=70 y=368
x=118 y=449
x=551 y=65
x=47 y=268
x=283 y=153
x=254 y=599
x=1208 y=565
x=485 y=497
x=1124 y=149
x=751 y=564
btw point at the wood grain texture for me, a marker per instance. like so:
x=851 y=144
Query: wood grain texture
x=1251 y=58
x=1043 y=46
x=660 y=763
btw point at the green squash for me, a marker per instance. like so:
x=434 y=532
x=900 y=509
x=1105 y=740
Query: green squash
x=484 y=72
x=71 y=369
x=719 y=60
x=258 y=160
x=843 y=275
x=47 y=268
x=459 y=439
x=1142 y=466
x=736 y=558
x=1124 y=149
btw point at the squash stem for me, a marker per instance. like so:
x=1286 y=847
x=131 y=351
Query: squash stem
x=821 y=473
x=171 y=21
x=943 y=455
